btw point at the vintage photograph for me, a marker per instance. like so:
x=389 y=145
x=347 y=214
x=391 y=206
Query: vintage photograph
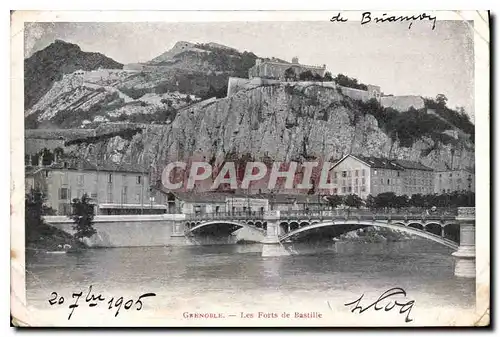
x=251 y=169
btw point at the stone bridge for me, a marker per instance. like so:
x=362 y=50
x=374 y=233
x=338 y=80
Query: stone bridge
x=278 y=227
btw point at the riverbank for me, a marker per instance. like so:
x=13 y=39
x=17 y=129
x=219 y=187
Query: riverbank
x=47 y=238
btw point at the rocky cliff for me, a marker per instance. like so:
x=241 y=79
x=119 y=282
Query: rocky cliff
x=280 y=122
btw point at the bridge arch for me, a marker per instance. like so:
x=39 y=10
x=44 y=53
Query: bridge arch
x=433 y=227
x=239 y=225
x=395 y=226
x=416 y=225
x=303 y=224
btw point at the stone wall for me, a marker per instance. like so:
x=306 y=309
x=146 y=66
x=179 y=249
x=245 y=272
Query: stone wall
x=129 y=230
x=402 y=103
x=355 y=93
x=114 y=231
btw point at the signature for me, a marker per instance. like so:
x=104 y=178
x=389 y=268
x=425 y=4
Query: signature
x=93 y=300
x=404 y=307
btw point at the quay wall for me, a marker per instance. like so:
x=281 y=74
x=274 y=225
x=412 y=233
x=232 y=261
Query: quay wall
x=115 y=231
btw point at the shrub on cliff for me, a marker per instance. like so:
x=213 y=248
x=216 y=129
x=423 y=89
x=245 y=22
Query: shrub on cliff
x=83 y=216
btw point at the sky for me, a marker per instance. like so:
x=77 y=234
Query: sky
x=402 y=61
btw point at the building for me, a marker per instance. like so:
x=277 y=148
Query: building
x=275 y=69
x=417 y=178
x=371 y=176
x=224 y=202
x=114 y=189
x=454 y=180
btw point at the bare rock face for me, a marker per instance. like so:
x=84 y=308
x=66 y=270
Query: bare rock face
x=281 y=122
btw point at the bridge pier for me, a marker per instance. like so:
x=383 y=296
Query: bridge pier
x=465 y=265
x=271 y=243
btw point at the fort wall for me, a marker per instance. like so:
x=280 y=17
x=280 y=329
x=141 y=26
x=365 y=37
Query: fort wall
x=402 y=103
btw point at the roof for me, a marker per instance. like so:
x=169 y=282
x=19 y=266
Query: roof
x=220 y=197
x=385 y=163
x=412 y=165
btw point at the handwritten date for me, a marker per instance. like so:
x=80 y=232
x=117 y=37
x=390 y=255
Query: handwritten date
x=93 y=300
x=405 y=307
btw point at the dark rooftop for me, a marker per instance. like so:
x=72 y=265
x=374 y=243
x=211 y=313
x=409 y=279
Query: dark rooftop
x=390 y=164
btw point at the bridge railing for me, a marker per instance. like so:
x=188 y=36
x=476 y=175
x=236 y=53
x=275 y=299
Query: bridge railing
x=326 y=214
x=225 y=216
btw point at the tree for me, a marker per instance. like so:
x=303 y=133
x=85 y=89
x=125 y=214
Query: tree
x=334 y=200
x=35 y=208
x=401 y=201
x=353 y=201
x=83 y=216
x=385 y=200
x=290 y=74
x=441 y=100
x=417 y=200
x=328 y=77
x=317 y=77
x=370 y=202
x=306 y=76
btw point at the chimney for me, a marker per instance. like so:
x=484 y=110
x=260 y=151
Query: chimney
x=295 y=60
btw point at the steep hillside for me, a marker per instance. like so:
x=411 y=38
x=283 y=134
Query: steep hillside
x=90 y=98
x=47 y=66
x=283 y=122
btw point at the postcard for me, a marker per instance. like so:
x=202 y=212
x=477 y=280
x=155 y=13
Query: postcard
x=250 y=168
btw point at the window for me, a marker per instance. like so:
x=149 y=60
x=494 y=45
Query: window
x=343 y=182
x=362 y=181
x=335 y=190
x=357 y=173
x=344 y=174
x=439 y=175
x=335 y=181
x=124 y=194
x=110 y=178
x=381 y=181
x=355 y=189
x=335 y=175
x=349 y=173
x=363 y=172
x=363 y=189
x=398 y=174
x=80 y=179
x=356 y=180
x=138 y=198
x=46 y=173
x=451 y=174
x=139 y=179
x=63 y=193
x=343 y=189
x=349 y=189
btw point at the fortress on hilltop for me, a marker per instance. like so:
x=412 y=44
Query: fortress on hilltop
x=268 y=72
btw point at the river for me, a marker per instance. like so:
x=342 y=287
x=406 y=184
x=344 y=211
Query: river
x=235 y=278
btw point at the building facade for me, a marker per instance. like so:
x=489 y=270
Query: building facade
x=277 y=69
x=371 y=176
x=113 y=189
x=454 y=181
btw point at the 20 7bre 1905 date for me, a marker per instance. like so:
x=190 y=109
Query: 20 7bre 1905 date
x=93 y=300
